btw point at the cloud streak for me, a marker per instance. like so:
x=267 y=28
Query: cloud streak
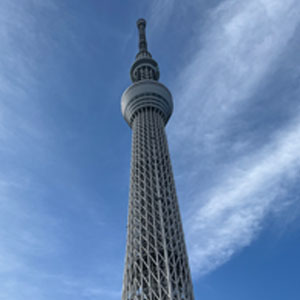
x=38 y=222
x=242 y=42
x=235 y=209
x=238 y=49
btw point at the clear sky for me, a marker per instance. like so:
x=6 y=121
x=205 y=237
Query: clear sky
x=233 y=69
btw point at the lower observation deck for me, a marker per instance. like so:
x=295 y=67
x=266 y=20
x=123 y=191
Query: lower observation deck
x=146 y=93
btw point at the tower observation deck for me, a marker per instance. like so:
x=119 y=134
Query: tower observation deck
x=156 y=264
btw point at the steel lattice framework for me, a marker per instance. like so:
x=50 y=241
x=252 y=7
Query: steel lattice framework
x=156 y=266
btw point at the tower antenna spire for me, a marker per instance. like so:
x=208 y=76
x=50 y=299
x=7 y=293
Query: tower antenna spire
x=144 y=67
x=141 y=25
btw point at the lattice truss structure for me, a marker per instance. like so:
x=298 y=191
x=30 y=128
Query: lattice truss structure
x=156 y=261
x=156 y=266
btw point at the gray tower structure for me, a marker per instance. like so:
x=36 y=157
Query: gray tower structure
x=156 y=266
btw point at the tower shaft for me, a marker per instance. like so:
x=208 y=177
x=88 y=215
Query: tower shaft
x=156 y=260
x=156 y=266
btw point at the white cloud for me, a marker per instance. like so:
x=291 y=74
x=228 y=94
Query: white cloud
x=235 y=209
x=235 y=53
x=159 y=14
x=241 y=42
x=33 y=238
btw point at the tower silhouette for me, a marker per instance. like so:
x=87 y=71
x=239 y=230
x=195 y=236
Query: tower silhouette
x=156 y=266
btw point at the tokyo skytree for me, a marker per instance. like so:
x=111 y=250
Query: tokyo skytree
x=156 y=265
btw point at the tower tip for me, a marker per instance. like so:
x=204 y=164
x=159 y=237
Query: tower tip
x=144 y=67
x=140 y=22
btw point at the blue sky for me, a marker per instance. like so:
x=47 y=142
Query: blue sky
x=233 y=69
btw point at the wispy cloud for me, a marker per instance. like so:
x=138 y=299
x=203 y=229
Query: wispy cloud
x=241 y=43
x=36 y=230
x=235 y=209
x=231 y=187
x=159 y=13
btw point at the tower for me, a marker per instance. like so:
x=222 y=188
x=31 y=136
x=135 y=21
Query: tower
x=156 y=266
